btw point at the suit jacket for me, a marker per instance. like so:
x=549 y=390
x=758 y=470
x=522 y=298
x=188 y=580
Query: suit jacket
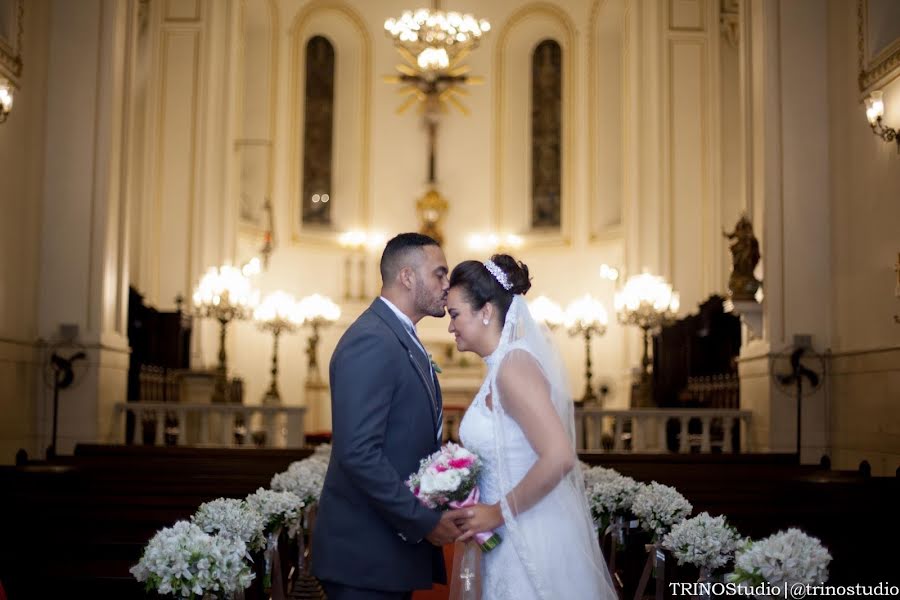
x=370 y=529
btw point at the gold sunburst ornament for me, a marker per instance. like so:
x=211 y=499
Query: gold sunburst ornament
x=433 y=44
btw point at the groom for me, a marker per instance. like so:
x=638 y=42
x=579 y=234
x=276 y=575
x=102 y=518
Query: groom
x=373 y=540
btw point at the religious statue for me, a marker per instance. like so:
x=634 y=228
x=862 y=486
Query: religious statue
x=742 y=284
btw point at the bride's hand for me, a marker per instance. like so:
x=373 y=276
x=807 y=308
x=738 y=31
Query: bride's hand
x=487 y=517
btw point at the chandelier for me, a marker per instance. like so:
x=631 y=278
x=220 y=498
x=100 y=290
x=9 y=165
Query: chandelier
x=433 y=44
x=436 y=39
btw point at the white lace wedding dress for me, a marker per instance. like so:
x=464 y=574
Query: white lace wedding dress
x=552 y=552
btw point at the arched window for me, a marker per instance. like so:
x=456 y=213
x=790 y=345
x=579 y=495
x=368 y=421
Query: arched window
x=546 y=135
x=318 y=131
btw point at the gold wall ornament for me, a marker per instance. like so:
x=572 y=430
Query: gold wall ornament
x=433 y=44
x=742 y=283
x=431 y=209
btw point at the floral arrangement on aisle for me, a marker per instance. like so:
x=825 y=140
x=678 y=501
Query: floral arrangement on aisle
x=783 y=559
x=233 y=518
x=185 y=561
x=304 y=478
x=658 y=507
x=611 y=497
x=278 y=510
x=703 y=541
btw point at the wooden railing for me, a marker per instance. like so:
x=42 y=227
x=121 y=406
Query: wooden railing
x=653 y=430
x=211 y=425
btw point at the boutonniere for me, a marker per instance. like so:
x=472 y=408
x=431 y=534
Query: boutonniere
x=434 y=365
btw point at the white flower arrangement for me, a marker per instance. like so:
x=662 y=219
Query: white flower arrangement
x=322 y=453
x=184 y=561
x=610 y=497
x=233 y=518
x=659 y=507
x=304 y=478
x=782 y=559
x=703 y=541
x=278 y=509
x=594 y=475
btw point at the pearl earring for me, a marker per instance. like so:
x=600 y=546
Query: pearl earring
x=486 y=322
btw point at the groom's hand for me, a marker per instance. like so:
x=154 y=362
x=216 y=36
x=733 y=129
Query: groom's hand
x=446 y=531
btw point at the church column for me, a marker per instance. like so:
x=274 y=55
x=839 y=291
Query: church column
x=790 y=209
x=84 y=230
x=185 y=223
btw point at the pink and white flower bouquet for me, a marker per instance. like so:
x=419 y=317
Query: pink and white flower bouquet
x=449 y=479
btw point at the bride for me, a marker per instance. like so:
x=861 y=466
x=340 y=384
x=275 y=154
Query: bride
x=521 y=425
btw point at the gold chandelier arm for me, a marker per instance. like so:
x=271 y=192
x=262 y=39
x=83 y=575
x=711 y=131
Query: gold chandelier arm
x=413 y=98
x=409 y=57
x=445 y=97
x=458 y=57
x=460 y=70
x=407 y=70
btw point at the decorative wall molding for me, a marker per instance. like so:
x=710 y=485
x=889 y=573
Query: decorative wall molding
x=11 y=40
x=271 y=9
x=174 y=172
x=569 y=51
x=613 y=231
x=182 y=11
x=299 y=36
x=877 y=66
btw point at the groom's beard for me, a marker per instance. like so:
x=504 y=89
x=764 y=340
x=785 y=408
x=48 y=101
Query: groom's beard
x=426 y=304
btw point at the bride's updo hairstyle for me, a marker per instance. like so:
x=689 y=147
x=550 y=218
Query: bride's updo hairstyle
x=480 y=286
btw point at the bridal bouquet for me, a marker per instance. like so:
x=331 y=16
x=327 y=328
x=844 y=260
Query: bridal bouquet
x=184 y=561
x=703 y=541
x=782 y=560
x=448 y=479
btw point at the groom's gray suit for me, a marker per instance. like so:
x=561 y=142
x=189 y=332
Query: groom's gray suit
x=385 y=403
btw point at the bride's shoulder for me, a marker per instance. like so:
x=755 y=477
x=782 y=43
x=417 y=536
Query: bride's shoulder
x=518 y=364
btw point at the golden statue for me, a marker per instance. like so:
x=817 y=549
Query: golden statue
x=745 y=255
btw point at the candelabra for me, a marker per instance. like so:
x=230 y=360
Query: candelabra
x=360 y=244
x=587 y=317
x=648 y=302
x=224 y=294
x=546 y=311
x=317 y=312
x=279 y=313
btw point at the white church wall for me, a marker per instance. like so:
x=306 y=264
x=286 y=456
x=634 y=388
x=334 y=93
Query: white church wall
x=397 y=160
x=84 y=254
x=864 y=421
x=21 y=170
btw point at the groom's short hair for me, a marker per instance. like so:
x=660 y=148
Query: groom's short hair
x=398 y=253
